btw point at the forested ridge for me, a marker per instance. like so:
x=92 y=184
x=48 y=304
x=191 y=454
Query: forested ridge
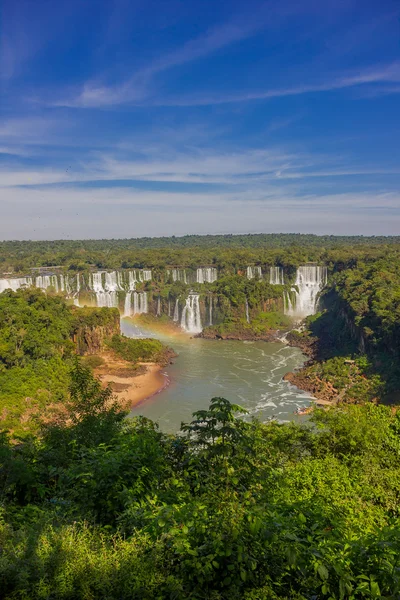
x=40 y=338
x=230 y=252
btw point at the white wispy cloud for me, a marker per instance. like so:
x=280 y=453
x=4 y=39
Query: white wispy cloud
x=138 y=92
x=121 y=212
x=136 y=88
x=386 y=74
x=247 y=168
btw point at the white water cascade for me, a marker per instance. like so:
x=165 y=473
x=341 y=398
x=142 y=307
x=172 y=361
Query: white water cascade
x=132 y=281
x=191 y=319
x=15 y=284
x=140 y=304
x=45 y=281
x=276 y=276
x=177 y=275
x=158 y=306
x=145 y=275
x=310 y=279
x=206 y=275
x=247 y=312
x=176 y=311
x=106 y=286
x=210 y=311
x=106 y=296
x=113 y=282
x=128 y=304
x=253 y=272
x=78 y=287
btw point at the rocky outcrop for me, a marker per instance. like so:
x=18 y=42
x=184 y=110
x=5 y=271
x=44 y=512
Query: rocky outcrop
x=93 y=326
x=213 y=333
x=306 y=343
x=323 y=391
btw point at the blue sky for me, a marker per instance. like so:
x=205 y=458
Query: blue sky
x=126 y=118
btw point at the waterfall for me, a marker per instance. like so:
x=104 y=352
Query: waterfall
x=310 y=280
x=107 y=299
x=106 y=296
x=247 y=312
x=276 y=276
x=132 y=281
x=206 y=275
x=158 y=306
x=128 y=304
x=169 y=307
x=140 y=304
x=15 y=284
x=287 y=303
x=254 y=272
x=191 y=319
x=112 y=282
x=176 y=311
x=45 y=281
x=144 y=275
x=210 y=309
x=78 y=288
x=177 y=275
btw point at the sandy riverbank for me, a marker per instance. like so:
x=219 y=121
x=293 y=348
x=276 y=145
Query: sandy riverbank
x=130 y=386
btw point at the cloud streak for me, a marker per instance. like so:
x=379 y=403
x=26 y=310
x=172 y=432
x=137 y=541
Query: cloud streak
x=136 y=88
x=121 y=212
x=387 y=74
x=166 y=164
x=137 y=91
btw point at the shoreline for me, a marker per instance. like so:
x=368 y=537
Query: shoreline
x=129 y=387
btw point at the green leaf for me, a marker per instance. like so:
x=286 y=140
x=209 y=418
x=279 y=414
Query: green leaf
x=323 y=572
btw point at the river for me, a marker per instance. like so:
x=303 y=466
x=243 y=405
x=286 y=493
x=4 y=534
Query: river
x=246 y=373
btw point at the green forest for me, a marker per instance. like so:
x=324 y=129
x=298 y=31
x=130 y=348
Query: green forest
x=98 y=505
x=229 y=252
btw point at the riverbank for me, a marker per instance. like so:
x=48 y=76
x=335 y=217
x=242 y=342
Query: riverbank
x=131 y=384
x=211 y=333
x=323 y=391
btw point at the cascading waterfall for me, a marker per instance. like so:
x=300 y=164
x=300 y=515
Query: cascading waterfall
x=15 y=284
x=128 y=304
x=145 y=275
x=140 y=304
x=106 y=296
x=158 y=306
x=132 y=281
x=276 y=276
x=78 y=287
x=169 y=307
x=206 y=275
x=247 y=312
x=45 y=281
x=310 y=279
x=253 y=272
x=191 y=318
x=112 y=282
x=177 y=275
x=96 y=283
x=210 y=311
x=105 y=285
x=287 y=303
x=176 y=311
